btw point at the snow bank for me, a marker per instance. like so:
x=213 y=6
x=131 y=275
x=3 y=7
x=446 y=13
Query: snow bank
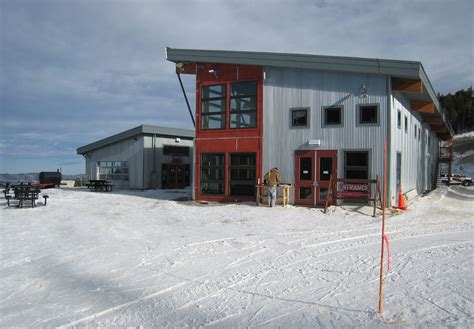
x=138 y=258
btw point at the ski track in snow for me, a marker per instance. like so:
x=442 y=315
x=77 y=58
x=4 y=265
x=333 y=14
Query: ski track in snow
x=112 y=259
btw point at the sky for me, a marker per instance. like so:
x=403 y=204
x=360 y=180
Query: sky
x=73 y=72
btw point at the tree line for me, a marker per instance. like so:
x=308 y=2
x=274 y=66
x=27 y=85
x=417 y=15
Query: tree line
x=459 y=109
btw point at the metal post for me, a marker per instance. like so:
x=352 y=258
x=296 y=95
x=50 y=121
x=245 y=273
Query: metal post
x=186 y=98
x=383 y=222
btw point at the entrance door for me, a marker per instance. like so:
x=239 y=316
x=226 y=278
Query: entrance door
x=174 y=176
x=326 y=165
x=313 y=170
x=305 y=178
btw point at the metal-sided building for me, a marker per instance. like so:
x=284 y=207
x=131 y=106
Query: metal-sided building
x=142 y=158
x=309 y=115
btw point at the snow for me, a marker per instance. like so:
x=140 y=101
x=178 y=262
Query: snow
x=141 y=259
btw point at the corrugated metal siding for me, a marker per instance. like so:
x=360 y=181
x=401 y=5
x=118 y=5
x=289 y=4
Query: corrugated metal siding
x=130 y=150
x=419 y=156
x=160 y=158
x=289 y=88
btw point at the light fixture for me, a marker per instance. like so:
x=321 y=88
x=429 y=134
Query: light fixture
x=214 y=72
x=363 y=91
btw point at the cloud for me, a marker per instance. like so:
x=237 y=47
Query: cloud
x=76 y=71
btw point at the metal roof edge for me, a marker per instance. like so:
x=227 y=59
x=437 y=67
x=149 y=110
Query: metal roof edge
x=136 y=131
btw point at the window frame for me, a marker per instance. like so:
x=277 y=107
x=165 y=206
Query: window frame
x=368 y=168
x=308 y=116
x=359 y=116
x=238 y=166
x=229 y=106
x=222 y=98
x=324 y=123
x=204 y=167
x=112 y=176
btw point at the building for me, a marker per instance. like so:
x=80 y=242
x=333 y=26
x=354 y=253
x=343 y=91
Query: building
x=309 y=115
x=143 y=157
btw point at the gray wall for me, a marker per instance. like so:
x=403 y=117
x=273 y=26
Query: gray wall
x=419 y=156
x=149 y=153
x=289 y=88
x=130 y=150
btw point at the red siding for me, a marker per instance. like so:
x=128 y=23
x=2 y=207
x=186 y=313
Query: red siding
x=228 y=140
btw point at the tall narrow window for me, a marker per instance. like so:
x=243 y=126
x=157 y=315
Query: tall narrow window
x=243 y=105
x=356 y=164
x=242 y=174
x=212 y=173
x=406 y=124
x=213 y=99
x=416 y=128
x=368 y=114
x=399 y=119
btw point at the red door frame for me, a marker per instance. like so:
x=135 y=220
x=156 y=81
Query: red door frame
x=306 y=183
x=324 y=183
x=315 y=182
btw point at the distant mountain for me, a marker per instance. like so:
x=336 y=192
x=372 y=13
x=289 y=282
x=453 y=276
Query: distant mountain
x=32 y=177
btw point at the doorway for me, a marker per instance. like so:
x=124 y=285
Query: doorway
x=175 y=176
x=313 y=170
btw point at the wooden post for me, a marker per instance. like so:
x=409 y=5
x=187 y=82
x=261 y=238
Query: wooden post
x=450 y=162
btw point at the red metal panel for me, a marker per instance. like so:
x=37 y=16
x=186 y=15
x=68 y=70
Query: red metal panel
x=228 y=140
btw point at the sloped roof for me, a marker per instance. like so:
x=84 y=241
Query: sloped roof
x=394 y=68
x=137 y=131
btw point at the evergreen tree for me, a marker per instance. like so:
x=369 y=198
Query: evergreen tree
x=459 y=109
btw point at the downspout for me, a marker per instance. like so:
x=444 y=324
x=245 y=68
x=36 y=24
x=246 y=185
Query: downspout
x=186 y=98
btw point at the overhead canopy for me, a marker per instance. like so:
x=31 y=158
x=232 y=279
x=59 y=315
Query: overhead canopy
x=407 y=76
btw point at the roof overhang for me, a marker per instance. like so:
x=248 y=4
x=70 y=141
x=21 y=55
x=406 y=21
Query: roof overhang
x=147 y=130
x=186 y=60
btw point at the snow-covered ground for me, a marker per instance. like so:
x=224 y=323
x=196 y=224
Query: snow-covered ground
x=138 y=258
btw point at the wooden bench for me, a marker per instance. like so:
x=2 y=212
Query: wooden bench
x=284 y=196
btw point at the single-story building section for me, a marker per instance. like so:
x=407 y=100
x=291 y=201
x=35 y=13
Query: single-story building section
x=310 y=116
x=142 y=158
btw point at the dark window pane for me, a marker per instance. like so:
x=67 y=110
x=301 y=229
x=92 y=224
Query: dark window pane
x=243 y=120
x=356 y=173
x=399 y=119
x=212 y=173
x=299 y=118
x=243 y=104
x=406 y=124
x=368 y=114
x=305 y=192
x=333 y=115
x=214 y=121
x=216 y=91
x=175 y=150
x=325 y=167
x=242 y=177
x=305 y=169
x=244 y=89
x=323 y=193
x=357 y=159
x=212 y=188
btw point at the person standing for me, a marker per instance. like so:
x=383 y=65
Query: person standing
x=272 y=180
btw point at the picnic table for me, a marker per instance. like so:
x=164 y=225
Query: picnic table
x=100 y=185
x=24 y=193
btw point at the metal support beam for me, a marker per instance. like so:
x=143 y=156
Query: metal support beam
x=186 y=98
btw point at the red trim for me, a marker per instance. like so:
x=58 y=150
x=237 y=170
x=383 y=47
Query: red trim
x=247 y=140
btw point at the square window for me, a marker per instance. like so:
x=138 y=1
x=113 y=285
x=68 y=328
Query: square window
x=332 y=116
x=299 y=117
x=368 y=114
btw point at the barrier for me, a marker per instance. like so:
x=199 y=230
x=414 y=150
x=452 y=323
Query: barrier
x=355 y=189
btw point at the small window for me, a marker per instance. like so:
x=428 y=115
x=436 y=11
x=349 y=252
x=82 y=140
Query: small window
x=399 y=119
x=406 y=124
x=416 y=128
x=419 y=133
x=368 y=114
x=299 y=117
x=332 y=116
x=213 y=99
